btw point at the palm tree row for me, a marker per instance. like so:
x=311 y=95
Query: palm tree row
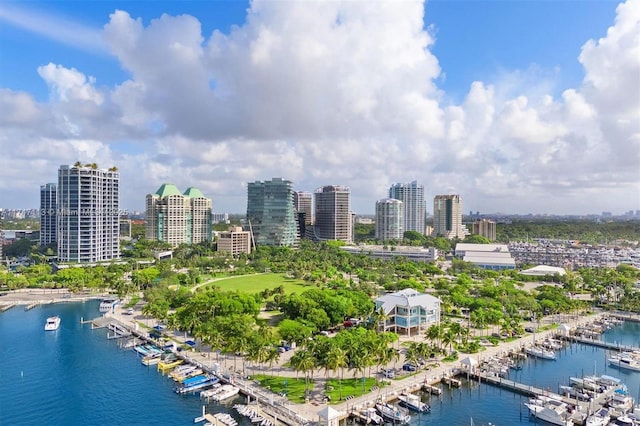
x=357 y=349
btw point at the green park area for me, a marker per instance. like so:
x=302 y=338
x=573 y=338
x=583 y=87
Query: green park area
x=257 y=283
x=336 y=390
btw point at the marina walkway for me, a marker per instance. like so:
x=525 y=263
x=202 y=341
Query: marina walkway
x=600 y=343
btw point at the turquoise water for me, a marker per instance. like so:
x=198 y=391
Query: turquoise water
x=75 y=376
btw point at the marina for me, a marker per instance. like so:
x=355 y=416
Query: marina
x=464 y=398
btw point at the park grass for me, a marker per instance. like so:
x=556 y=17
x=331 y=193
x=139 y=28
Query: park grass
x=294 y=388
x=257 y=283
x=350 y=387
x=291 y=387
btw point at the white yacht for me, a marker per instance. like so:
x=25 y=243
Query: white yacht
x=413 y=402
x=226 y=392
x=599 y=418
x=371 y=414
x=625 y=362
x=550 y=410
x=52 y=323
x=539 y=352
x=108 y=305
x=392 y=414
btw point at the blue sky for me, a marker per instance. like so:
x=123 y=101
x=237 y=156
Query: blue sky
x=504 y=102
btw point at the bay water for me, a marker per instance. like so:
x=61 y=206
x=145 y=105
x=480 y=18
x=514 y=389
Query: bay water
x=75 y=376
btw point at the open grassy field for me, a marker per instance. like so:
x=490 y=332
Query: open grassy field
x=257 y=283
x=292 y=388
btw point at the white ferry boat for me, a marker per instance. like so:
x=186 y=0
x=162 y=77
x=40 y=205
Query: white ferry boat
x=52 y=323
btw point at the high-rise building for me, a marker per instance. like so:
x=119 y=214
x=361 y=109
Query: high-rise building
x=270 y=213
x=412 y=197
x=447 y=217
x=333 y=218
x=303 y=203
x=389 y=219
x=48 y=209
x=234 y=241
x=88 y=214
x=485 y=228
x=178 y=218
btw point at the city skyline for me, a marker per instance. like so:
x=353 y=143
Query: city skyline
x=523 y=107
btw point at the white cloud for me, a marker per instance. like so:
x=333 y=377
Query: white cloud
x=340 y=93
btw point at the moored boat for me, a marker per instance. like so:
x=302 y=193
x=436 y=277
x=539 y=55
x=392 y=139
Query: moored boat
x=600 y=418
x=168 y=364
x=392 y=414
x=226 y=392
x=413 y=402
x=152 y=358
x=52 y=323
x=625 y=362
x=197 y=383
x=550 y=410
x=108 y=305
x=542 y=353
x=372 y=415
x=225 y=418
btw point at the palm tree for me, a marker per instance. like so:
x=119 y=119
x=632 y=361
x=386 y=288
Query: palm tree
x=381 y=316
x=337 y=359
x=434 y=333
x=456 y=329
x=506 y=327
x=448 y=338
x=272 y=356
x=303 y=361
x=412 y=355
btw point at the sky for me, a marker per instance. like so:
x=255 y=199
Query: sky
x=528 y=106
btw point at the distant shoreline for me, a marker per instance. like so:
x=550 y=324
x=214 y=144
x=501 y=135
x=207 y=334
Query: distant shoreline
x=54 y=295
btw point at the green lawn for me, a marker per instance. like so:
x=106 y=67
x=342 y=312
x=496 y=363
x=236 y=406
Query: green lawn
x=257 y=283
x=292 y=388
x=350 y=387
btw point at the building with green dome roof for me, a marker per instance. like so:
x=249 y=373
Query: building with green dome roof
x=178 y=218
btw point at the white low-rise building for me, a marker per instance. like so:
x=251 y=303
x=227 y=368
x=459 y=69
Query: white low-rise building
x=486 y=256
x=417 y=254
x=408 y=311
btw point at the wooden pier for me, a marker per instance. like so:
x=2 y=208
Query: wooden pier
x=511 y=385
x=600 y=343
x=434 y=390
x=451 y=381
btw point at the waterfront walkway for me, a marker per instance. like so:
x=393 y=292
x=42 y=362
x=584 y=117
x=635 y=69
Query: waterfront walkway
x=601 y=343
